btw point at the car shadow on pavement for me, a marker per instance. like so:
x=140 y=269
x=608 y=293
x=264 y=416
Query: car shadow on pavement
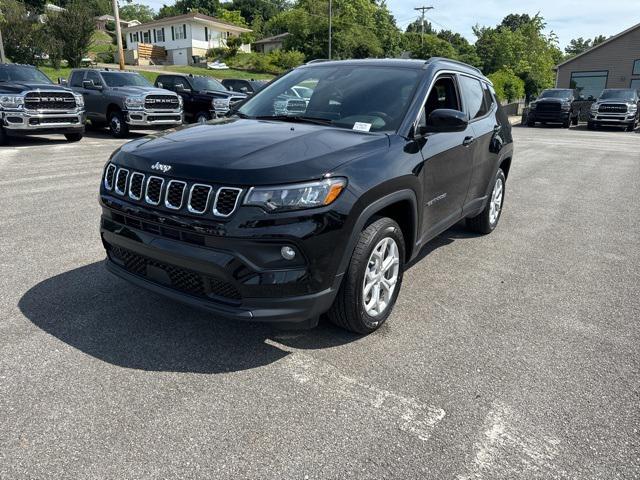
x=127 y=326
x=458 y=231
x=34 y=141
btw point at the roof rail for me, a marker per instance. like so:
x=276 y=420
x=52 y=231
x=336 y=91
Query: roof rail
x=317 y=60
x=457 y=62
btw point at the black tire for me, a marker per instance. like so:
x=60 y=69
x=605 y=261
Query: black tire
x=631 y=127
x=591 y=126
x=73 y=137
x=482 y=223
x=117 y=125
x=4 y=138
x=566 y=123
x=200 y=115
x=531 y=123
x=348 y=310
x=575 y=120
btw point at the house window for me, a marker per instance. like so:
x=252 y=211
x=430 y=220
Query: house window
x=181 y=32
x=589 y=84
x=160 y=35
x=636 y=67
x=146 y=37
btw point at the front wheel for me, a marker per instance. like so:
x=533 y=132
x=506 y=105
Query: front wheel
x=202 y=118
x=73 y=137
x=488 y=219
x=631 y=127
x=372 y=281
x=117 y=126
x=4 y=138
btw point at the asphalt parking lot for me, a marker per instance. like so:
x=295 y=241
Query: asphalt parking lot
x=508 y=356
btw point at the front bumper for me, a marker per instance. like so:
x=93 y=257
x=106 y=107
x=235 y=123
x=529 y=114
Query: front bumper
x=225 y=267
x=612 y=118
x=142 y=119
x=24 y=122
x=551 y=117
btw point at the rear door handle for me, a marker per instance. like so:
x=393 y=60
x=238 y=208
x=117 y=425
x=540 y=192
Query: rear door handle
x=468 y=141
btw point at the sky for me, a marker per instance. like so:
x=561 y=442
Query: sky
x=567 y=18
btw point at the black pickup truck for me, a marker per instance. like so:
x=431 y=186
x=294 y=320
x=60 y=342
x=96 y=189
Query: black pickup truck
x=274 y=217
x=204 y=97
x=555 y=105
x=30 y=104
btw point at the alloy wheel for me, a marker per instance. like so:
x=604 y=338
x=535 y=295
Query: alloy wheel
x=381 y=277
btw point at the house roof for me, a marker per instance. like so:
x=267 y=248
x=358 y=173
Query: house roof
x=274 y=39
x=198 y=17
x=607 y=41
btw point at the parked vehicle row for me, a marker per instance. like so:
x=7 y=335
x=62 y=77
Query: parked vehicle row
x=614 y=107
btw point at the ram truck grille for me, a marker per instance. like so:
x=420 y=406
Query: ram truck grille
x=49 y=101
x=161 y=102
x=612 y=108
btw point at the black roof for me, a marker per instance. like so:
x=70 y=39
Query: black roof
x=405 y=63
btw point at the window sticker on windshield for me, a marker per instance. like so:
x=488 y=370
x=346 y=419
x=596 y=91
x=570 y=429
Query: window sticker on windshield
x=362 y=127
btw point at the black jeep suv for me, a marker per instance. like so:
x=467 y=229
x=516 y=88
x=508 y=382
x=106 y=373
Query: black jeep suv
x=556 y=105
x=281 y=218
x=204 y=98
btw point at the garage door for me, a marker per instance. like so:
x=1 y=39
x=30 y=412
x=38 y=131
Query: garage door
x=180 y=57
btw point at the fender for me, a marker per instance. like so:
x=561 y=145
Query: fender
x=368 y=212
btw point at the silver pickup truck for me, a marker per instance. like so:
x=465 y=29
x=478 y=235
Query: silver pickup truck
x=125 y=101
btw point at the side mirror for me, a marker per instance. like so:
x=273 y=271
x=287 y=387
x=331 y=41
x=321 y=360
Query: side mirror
x=159 y=85
x=445 y=120
x=62 y=81
x=180 y=89
x=89 y=85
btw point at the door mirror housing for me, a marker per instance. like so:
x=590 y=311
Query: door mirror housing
x=445 y=120
x=89 y=85
x=181 y=89
x=159 y=85
x=62 y=81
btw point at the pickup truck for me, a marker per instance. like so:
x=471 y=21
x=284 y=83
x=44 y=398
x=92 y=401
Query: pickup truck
x=30 y=104
x=555 y=105
x=616 y=107
x=125 y=101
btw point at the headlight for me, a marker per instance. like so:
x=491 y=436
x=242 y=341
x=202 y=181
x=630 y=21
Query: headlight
x=79 y=101
x=595 y=107
x=134 y=102
x=295 y=197
x=533 y=106
x=180 y=101
x=220 y=103
x=632 y=107
x=566 y=107
x=12 y=101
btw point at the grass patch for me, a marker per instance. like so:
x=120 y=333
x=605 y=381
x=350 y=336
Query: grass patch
x=53 y=74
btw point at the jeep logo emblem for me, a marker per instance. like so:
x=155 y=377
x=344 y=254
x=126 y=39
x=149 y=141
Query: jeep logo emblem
x=159 y=166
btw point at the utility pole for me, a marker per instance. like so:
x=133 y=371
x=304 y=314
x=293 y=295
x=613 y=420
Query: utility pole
x=423 y=10
x=116 y=14
x=3 y=59
x=330 y=25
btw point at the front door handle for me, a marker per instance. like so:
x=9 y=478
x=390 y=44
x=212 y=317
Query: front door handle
x=468 y=141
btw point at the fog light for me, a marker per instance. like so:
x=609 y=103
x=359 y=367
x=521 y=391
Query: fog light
x=288 y=253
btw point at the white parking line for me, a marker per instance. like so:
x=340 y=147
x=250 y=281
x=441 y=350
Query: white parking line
x=409 y=414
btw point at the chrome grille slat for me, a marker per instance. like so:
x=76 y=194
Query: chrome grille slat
x=121 y=181
x=196 y=203
x=175 y=188
x=109 y=176
x=136 y=185
x=226 y=201
x=154 y=188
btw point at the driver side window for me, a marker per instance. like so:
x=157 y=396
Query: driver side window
x=443 y=94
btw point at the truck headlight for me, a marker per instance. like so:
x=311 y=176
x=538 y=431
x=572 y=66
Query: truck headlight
x=12 y=101
x=296 y=197
x=79 y=100
x=632 y=108
x=533 y=106
x=594 y=108
x=566 y=107
x=134 y=102
x=180 y=101
x=220 y=103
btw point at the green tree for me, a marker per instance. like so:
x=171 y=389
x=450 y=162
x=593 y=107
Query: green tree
x=257 y=9
x=232 y=16
x=508 y=85
x=514 y=21
x=20 y=32
x=206 y=7
x=416 y=27
x=74 y=29
x=137 y=11
x=577 y=46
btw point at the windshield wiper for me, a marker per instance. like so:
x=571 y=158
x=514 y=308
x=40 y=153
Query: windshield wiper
x=296 y=118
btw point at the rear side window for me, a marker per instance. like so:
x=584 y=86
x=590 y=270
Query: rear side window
x=489 y=100
x=474 y=95
x=76 y=79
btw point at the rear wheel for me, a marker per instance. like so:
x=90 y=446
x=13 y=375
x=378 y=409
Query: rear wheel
x=202 y=117
x=487 y=220
x=373 y=279
x=73 y=137
x=117 y=125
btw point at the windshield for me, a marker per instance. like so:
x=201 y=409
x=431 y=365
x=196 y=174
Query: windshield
x=556 y=94
x=205 y=83
x=363 y=98
x=617 y=95
x=118 y=79
x=23 y=74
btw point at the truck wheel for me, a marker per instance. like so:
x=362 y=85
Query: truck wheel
x=591 y=126
x=488 y=219
x=371 y=284
x=631 y=127
x=531 y=123
x=117 y=125
x=575 y=120
x=202 y=117
x=4 y=138
x=73 y=137
x=566 y=123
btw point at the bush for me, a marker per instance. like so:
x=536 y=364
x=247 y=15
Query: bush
x=508 y=85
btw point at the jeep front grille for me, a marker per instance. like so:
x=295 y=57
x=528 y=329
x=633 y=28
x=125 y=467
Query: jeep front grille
x=136 y=185
x=109 y=175
x=49 y=101
x=121 y=181
x=172 y=194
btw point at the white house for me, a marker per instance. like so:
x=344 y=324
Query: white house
x=183 y=37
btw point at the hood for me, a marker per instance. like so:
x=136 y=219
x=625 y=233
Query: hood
x=132 y=90
x=552 y=100
x=250 y=152
x=17 y=87
x=223 y=94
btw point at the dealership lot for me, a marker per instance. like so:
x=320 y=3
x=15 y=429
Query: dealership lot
x=513 y=355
